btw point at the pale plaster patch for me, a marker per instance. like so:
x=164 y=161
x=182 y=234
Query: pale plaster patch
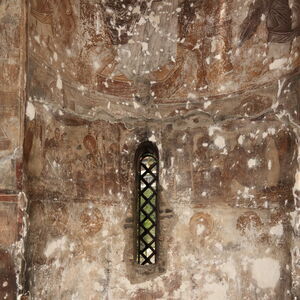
x=152 y=138
x=55 y=57
x=30 y=111
x=246 y=193
x=229 y=269
x=269 y=165
x=219 y=141
x=252 y=163
x=217 y=291
x=214 y=44
x=96 y=65
x=200 y=229
x=88 y=285
x=219 y=246
x=59 y=82
x=184 y=215
x=37 y=39
x=271 y=131
x=278 y=63
x=206 y=104
x=212 y=129
x=297 y=181
x=241 y=139
x=136 y=105
x=266 y=272
x=144 y=47
x=192 y=96
x=277 y=230
x=55 y=245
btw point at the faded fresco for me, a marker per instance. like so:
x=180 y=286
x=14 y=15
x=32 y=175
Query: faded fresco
x=12 y=100
x=11 y=94
x=163 y=50
x=215 y=85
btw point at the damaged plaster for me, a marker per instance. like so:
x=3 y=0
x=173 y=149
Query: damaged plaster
x=214 y=84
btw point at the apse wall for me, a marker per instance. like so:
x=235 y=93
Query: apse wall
x=12 y=101
x=215 y=86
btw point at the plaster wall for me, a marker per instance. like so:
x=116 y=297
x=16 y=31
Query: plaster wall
x=215 y=85
x=12 y=98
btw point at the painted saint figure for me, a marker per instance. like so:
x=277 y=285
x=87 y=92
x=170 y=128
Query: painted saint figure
x=279 y=20
x=199 y=33
x=58 y=14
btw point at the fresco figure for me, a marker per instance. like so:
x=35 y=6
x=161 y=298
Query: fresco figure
x=58 y=14
x=199 y=34
x=279 y=20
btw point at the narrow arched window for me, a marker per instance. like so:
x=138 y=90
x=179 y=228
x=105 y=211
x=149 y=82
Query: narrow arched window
x=147 y=203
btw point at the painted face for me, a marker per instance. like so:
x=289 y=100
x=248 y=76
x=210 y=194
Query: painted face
x=120 y=17
x=57 y=133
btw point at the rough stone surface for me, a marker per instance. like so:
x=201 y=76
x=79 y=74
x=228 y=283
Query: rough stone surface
x=214 y=84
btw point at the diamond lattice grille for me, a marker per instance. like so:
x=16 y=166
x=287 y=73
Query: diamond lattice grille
x=147 y=210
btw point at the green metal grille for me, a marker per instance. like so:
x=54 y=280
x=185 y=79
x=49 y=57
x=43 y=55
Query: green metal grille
x=147 y=209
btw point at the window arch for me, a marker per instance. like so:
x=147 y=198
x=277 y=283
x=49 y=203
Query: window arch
x=147 y=161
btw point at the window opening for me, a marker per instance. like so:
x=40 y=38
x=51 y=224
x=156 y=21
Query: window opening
x=147 y=208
